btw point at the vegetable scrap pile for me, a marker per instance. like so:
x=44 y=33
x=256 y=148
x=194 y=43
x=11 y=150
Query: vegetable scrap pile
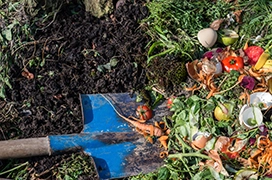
x=223 y=129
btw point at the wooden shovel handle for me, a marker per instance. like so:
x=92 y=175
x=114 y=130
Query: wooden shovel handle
x=24 y=148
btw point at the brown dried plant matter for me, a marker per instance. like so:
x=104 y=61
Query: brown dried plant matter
x=205 y=78
x=261 y=157
x=203 y=73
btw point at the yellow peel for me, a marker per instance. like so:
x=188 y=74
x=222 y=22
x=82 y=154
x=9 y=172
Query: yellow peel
x=261 y=61
x=268 y=64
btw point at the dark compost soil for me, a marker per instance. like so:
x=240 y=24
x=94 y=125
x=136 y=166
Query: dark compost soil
x=75 y=50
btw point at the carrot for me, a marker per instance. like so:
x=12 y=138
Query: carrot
x=150 y=139
x=191 y=88
x=148 y=128
x=201 y=76
x=163 y=140
x=163 y=154
x=145 y=128
x=211 y=93
x=261 y=89
x=240 y=78
x=254 y=73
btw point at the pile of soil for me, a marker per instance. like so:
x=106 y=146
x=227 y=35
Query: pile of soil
x=76 y=54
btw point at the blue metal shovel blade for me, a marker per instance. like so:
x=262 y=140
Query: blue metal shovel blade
x=116 y=149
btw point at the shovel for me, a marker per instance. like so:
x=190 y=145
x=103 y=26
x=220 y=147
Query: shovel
x=116 y=149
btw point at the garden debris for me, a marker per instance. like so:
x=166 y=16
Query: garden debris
x=99 y=8
x=27 y=74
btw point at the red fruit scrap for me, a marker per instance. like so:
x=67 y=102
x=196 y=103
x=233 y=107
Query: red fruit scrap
x=233 y=148
x=170 y=101
x=144 y=112
x=232 y=63
x=253 y=53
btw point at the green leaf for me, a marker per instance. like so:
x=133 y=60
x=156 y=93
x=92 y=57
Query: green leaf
x=7 y=34
x=107 y=66
x=163 y=173
x=193 y=119
x=42 y=63
x=153 y=46
x=168 y=51
x=214 y=173
x=182 y=117
x=8 y=83
x=100 y=68
x=2 y=92
x=195 y=108
x=194 y=98
x=183 y=131
x=230 y=131
x=113 y=62
x=203 y=175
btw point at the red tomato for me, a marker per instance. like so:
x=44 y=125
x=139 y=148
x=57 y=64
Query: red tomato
x=232 y=63
x=144 y=112
x=170 y=101
x=253 y=53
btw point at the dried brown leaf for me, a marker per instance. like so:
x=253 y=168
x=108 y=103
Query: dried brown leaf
x=238 y=16
x=216 y=24
x=27 y=74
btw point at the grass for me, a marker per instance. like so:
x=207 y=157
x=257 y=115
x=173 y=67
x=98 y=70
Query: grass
x=70 y=168
x=257 y=21
x=173 y=25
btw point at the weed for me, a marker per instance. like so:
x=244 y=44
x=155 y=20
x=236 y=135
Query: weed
x=173 y=25
x=73 y=167
x=13 y=27
x=17 y=172
x=257 y=21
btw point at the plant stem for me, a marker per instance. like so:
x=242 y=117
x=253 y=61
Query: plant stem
x=17 y=167
x=182 y=155
x=225 y=78
x=186 y=167
x=228 y=88
x=183 y=144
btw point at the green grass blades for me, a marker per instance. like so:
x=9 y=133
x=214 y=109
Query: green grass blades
x=256 y=22
x=173 y=25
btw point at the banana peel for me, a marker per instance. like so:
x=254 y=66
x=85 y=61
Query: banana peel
x=261 y=61
x=268 y=64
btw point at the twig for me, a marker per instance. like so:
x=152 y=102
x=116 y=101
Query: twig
x=52 y=167
x=28 y=43
x=34 y=42
x=44 y=49
x=225 y=78
x=54 y=17
x=228 y=88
